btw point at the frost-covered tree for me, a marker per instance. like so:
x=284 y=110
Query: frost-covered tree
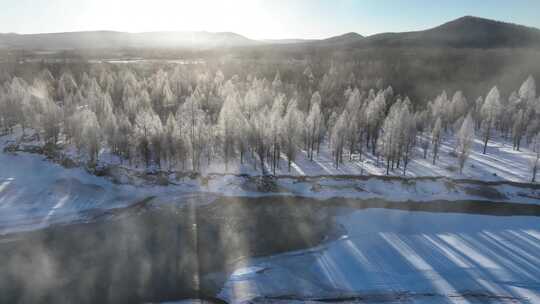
x=490 y=112
x=290 y=133
x=527 y=91
x=388 y=141
x=51 y=121
x=477 y=113
x=314 y=125
x=441 y=108
x=228 y=129
x=408 y=134
x=66 y=86
x=422 y=127
x=91 y=133
x=148 y=130
x=87 y=134
x=518 y=129
x=356 y=123
x=169 y=140
x=398 y=136
x=375 y=117
x=183 y=114
x=193 y=119
x=465 y=139
x=12 y=103
x=276 y=117
x=124 y=138
x=260 y=139
x=338 y=138
x=436 y=138
x=458 y=106
x=277 y=84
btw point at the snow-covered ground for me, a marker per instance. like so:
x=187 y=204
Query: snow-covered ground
x=500 y=162
x=391 y=256
x=35 y=192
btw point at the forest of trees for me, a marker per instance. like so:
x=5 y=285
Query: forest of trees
x=184 y=117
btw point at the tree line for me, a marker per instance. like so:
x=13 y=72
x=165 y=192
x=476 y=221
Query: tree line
x=180 y=117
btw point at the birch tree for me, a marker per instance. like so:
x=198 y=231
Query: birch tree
x=313 y=125
x=291 y=132
x=465 y=139
x=227 y=129
x=338 y=138
x=490 y=112
x=436 y=136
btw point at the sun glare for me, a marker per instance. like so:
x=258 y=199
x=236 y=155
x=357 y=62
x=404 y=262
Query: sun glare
x=203 y=15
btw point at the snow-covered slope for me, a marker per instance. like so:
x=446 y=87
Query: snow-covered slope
x=35 y=192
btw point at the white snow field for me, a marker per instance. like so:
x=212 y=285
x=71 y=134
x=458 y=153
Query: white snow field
x=35 y=193
x=391 y=256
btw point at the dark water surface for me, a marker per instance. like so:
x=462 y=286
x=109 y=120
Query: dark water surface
x=151 y=254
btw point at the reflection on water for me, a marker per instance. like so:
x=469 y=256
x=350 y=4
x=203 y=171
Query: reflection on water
x=160 y=253
x=153 y=255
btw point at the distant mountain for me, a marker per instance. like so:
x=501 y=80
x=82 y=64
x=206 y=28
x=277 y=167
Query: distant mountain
x=343 y=39
x=288 y=41
x=335 y=41
x=110 y=39
x=465 y=32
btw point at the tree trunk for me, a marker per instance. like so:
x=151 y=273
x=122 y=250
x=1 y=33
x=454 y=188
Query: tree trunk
x=535 y=169
x=274 y=161
x=278 y=155
x=262 y=164
x=289 y=164
x=486 y=139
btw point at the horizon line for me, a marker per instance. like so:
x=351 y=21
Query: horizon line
x=261 y=39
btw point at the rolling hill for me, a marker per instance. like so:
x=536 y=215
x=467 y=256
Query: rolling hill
x=465 y=32
x=111 y=39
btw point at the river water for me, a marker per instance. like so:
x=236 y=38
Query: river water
x=280 y=249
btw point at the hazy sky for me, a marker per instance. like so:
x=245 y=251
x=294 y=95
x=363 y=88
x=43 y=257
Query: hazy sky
x=255 y=18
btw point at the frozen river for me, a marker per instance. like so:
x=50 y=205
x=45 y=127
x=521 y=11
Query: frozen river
x=395 y=256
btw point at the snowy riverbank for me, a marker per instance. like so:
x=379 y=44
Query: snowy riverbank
x=35 y=192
